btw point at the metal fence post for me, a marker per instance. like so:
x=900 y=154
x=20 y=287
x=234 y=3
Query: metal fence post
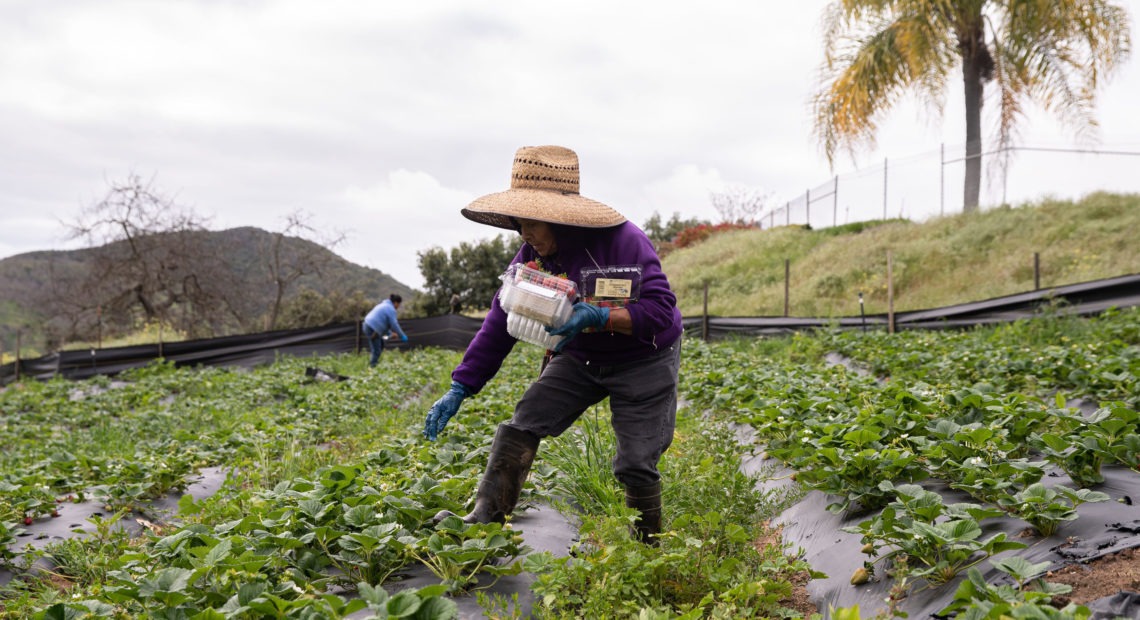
x=890 y=295
x=18 y=335
x=787 y=283
x=884 y=188
x=1036 y=271
x=807 y=206
x=705 y=316
x=942 y=179
x=835 y=202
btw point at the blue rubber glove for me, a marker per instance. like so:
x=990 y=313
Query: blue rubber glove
x=444 y=409
x=584 y=315
x=403 y=337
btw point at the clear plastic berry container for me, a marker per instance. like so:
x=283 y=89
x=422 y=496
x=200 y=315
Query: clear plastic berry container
x=530 y=331
x=535 y=300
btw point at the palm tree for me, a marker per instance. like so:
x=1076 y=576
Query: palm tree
x=1056 y=52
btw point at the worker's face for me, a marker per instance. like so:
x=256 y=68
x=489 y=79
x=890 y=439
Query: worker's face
x=539 y=235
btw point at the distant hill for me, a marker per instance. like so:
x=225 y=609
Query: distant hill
x=27 y=278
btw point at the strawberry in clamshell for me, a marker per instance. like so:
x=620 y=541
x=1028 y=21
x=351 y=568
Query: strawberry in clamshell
x=535 y=300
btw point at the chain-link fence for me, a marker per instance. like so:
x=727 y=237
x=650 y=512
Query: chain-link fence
x=930 y=184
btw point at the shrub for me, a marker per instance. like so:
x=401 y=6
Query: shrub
x=700 y=232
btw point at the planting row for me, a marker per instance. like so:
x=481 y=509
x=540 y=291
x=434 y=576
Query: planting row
x=1096 y=358
x=948 y=411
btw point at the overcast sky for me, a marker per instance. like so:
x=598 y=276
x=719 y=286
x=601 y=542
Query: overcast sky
x=382 y=119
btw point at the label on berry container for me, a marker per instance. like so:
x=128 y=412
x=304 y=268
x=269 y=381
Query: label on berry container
x=611 y=287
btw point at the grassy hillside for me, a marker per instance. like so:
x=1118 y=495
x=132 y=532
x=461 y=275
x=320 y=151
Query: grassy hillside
x=26 y=279
x=940 y=262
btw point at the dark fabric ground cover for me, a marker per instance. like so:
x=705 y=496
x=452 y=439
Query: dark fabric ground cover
x=1101 y=529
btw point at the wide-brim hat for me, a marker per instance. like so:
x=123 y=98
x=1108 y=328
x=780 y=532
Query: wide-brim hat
x=544 y=187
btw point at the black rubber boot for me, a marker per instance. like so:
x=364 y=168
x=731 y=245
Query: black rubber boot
x=647 y=500
x=512 y=453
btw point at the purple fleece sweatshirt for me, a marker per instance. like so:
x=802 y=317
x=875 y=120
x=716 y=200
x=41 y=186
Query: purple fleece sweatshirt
x=656 y=319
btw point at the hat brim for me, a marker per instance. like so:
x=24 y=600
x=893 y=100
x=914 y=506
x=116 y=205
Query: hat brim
x=542 y=205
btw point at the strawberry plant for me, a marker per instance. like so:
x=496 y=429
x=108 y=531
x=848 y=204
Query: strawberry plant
x=373 y=553
x=425 y=603
x=854 y=476
x=991 y=481
x=457 y=552
x=949 y=447
x=1028 y=597
x=1047 y=508
x=1078 y=455
x=9 y=535
x=26 y=498
x=939 y=540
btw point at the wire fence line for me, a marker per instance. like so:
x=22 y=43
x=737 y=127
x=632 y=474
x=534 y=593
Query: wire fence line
x=930 y=184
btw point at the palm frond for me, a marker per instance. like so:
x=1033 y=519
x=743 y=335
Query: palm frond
x=1057 y=53
x=866 y=72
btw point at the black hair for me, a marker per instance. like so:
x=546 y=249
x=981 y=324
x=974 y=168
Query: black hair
x=396 y=299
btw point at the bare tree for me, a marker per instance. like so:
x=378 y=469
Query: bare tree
x=738 y=204
x=68 y=315
x=150 y=260
x=286 y=268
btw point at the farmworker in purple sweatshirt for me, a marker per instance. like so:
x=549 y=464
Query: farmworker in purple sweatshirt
x=622 y=340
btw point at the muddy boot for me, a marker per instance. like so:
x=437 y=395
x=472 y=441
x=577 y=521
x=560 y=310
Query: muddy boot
x=647 y=500
x=512 y=453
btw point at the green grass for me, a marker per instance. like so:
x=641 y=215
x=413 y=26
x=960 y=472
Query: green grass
x=940 y=262
x=147 y=334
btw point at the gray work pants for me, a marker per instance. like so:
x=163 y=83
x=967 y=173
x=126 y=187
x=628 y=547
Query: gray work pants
x=643 y=400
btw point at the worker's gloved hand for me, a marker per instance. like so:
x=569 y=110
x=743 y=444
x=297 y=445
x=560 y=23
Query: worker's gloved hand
x=584 y=315
x=403 y=338
x=444 y=409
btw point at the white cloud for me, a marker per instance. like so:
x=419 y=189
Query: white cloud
x=407 y=212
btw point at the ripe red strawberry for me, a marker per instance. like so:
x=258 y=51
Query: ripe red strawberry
x=27 y=520
x=532 y=264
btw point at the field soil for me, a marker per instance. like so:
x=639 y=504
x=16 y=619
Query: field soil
x=1103 y=577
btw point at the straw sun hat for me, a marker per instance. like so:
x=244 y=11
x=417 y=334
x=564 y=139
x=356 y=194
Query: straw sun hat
x=544 y=186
